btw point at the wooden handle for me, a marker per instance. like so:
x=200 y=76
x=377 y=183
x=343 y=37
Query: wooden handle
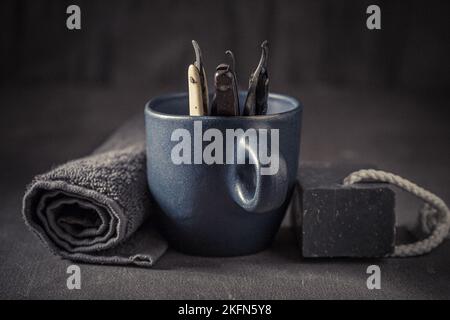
x=195 y=92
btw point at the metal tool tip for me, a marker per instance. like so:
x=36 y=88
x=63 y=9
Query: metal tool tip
x=196 y=46
x=198 y=55
x=233 y=61
x=264 y=55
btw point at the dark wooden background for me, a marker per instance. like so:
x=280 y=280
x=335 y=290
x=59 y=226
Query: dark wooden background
x=148 y=42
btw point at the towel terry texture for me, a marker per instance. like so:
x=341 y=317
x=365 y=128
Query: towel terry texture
x=97 y=209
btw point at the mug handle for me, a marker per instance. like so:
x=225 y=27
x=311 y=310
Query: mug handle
x=257 y=193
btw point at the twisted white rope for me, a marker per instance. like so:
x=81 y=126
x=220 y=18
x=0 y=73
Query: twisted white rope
x=434 y=216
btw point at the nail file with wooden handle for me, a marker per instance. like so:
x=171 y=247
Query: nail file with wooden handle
x=195 y=92
x=199 y=73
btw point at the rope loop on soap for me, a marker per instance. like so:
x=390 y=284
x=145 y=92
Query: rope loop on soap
x=434 y=215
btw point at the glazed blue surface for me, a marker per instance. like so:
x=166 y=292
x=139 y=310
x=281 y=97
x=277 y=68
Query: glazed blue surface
x=220 y=209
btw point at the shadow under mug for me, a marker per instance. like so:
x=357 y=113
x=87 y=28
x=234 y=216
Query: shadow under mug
x=220 y=209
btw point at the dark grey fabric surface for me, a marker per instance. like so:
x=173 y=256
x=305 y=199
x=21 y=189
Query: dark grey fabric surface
x=97 y=209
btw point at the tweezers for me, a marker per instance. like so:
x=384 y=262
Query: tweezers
x=198 y=87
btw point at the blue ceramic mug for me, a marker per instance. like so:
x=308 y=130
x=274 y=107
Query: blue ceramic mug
x=222 y=184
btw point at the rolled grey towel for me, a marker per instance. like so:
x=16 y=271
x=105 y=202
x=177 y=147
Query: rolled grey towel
x=97 y=209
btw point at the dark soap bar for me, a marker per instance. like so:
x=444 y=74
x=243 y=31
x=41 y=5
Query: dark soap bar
x=343 y=221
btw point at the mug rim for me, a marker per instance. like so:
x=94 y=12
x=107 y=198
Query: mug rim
x=298 y=106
